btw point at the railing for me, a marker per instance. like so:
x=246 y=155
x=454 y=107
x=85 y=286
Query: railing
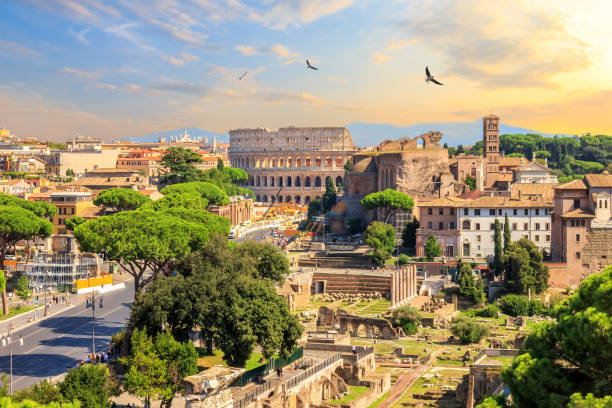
x=260 y=389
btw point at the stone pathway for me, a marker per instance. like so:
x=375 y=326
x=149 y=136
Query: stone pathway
x=406 y=381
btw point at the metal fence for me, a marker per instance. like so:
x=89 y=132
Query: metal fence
x=260 y=389
x=265 y=369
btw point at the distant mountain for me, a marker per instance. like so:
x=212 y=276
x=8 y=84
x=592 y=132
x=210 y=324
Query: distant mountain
x=454 y=133
x=194 y=132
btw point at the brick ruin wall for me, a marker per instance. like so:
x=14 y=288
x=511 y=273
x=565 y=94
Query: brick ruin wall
x=353 y=284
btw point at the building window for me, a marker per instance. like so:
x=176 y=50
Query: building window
x=537 y=226
x=492 y=226
x=577 y=203
x=537 y=238
x=577 y=255
x=451 y=225
x=466 y=225
x=441 y=211
x=526 y=212
x=499 y=211
x=466 y=249
x=465 y=211
x=572 y=223
x=582 y=223
x=514 y=226
x=515 y=212
x=478 y=238
x=548 y=225
x=452 y=211
x=548 y=238
x=440 y=225
x=526 y=226
x=577 y=237
x=478 y=226
x=537 y=211
x=429 y=225
x=429 y=211
x=477 y=211
x=492 y=211
x=72 y=210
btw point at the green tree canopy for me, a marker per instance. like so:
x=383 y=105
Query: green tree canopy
x=18 y=223
x=270 y=261
x=224 y=294
x=184 y=200
x=507 y=233
x=389 y=201
x=72 y=222
x=143 y=242
x=121 y=199
x=468 y=330
x=465 y=278
x=314 y=208
x=432 y=249
x=408 y=318
x=409 y=234
x=329 y=197
x=381 y=237
x=470 y=181
x=212 y=193
x=41 y=209
x=570 y=354
x=524 y=268
x=23 y=288
x=90 y=384
x=180 y=164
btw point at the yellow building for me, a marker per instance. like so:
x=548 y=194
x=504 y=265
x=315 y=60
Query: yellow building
x=69 y=204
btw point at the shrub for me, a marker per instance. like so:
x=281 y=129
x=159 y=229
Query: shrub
x=489 y=311
x=89 y=384
x=406 y=317
x=403 y=259
x=515 y=305
x=468 y=330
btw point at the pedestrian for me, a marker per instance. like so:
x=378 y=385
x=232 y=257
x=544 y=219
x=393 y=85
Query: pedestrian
x=281 y=373
x=353 y=350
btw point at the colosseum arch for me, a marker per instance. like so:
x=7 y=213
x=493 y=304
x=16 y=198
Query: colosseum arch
x=272 y=162
x=328 y=178
x=308 y=161
x=257 y=183
x=257 y=198
x=317 y=182
x=289 y=162
x=298 y=162
x=339 y=181
x=289 y=184
x=339 y=162
x=280 y=181
x=328 y=162
x=264 y=199
x=280 y=163
x=288 y=199
x=265 y=181
x=298 y=181
x=307 y=200
x=318 y=162
x=307 y=182
x=298 y=199
x=264 y=162
x=271 y=181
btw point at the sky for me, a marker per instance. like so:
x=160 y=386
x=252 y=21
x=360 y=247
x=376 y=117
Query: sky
x=124 y=68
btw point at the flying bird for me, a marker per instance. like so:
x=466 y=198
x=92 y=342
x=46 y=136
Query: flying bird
x=242 y=76
x=430 y=77
x=310 y=66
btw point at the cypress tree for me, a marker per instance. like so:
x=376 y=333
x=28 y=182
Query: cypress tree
x=498 y=262
x=507 y=236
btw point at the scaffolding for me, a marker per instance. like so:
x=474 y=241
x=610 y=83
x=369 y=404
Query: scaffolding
x=59 y=270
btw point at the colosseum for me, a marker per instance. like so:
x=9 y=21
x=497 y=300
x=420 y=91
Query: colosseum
x=298 y=159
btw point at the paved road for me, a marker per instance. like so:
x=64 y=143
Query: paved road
x=59 y=341
x=266 y=235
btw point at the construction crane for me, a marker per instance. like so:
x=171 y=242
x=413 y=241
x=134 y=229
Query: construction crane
x=272 y=201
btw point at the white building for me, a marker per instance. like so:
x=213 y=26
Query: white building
x=466 y=227
x=534 y=172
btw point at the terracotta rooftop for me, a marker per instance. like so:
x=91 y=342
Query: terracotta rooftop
x=599 y=180
x=578 y=213
x=490 y=202
x=546 y=190
x=111 y=170
x=577 y=184
x=510 y=161
x=491 y=116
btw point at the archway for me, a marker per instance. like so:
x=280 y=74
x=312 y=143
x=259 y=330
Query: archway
x=298 y=199
x=264 y=199
x=339 y=181
x=307 y=182
x=257 y=198
x=288 y=199
x=328 y=162
x=280 y=181
x=307 y=200
x=265 y=181
x=298 y=162
x=258 y=181
x=288 y=181
x=298 y=181
x=280 y=199
x=318 y=182
x=271 y=181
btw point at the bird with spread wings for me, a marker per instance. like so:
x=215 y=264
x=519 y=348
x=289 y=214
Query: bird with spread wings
x=430 y=77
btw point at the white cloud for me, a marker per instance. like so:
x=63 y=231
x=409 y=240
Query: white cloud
x=8 y=47
x=125 y=31
x=478 y=43
x=282 y=52
x=79 y=35
x=80 y=74
x=101 y=85
x=181 y=59
x=297 y=12
x=379 y=58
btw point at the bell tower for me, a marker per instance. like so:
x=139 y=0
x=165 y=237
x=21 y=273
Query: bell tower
x=490 y=137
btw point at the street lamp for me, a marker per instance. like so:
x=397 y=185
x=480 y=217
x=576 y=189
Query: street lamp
x=93 y=319
x=10 y=344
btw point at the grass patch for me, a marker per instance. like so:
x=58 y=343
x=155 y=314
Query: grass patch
x=207 y=360
x=379 y=400
x=17 y=310
x=355 y=391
